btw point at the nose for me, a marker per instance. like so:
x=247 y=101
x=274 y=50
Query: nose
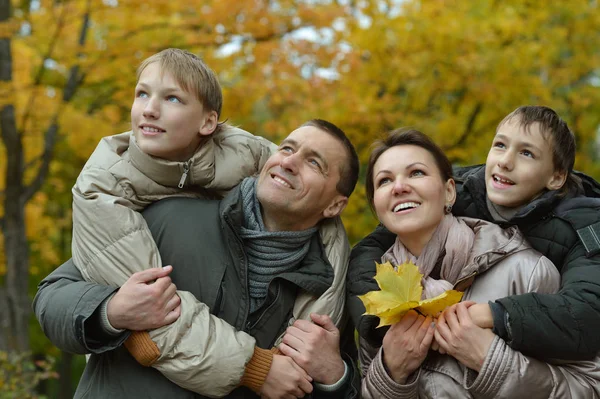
x=400 y=186
x=151 y=109
x=290 y=163
x=506 y=161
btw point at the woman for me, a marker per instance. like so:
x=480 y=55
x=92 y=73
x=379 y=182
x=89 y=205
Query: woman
x=410 y=187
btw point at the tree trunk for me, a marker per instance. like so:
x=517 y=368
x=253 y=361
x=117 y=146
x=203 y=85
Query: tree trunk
x=14 y=300
x=65 y=382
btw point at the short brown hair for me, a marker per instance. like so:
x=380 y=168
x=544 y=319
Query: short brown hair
x=191 y=73
x=554 y=129
x=349 y=170
x=406 y=136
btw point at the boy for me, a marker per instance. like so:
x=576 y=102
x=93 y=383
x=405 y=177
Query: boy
x=176 y=147
x=528 y=181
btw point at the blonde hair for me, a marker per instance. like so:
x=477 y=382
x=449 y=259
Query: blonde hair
x=191 y=73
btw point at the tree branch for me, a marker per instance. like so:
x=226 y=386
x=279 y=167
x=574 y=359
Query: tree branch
x=51 y=134
x=38 y=78
x=469 y=127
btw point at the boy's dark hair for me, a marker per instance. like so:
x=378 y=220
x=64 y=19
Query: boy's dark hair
x=349 y=170
x=554 y=129
x=406 y=136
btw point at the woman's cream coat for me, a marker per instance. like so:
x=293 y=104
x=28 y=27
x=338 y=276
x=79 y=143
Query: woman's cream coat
x=111 y=240
x=504 y=264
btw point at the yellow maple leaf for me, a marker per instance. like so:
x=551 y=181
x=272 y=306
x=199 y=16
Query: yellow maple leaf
x=400 y=291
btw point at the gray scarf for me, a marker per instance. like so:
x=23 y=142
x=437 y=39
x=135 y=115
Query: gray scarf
x=270 y=253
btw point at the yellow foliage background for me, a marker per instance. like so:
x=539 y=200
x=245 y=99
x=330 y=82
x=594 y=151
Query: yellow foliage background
x=452 y=69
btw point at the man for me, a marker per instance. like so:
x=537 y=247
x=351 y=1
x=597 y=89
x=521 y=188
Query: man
x=246 y=258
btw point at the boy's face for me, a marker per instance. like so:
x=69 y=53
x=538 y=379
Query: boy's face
x=167 y=121
x=519 y=165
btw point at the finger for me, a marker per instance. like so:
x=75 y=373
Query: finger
x=288 y=350
x=408 y=320
x=149 y=275
x=464 y=318
x=173 y=303
x=297 y=332
x=323 y=321
x=442 y=329
x=302 y=372
x=468 y=304
x=173 y=315
x=423 y=329
x=304 y=325
x=428 y=338
x=169 y=292
x=442 y=344
x=452 y=320
x=305 y=386
x=294 y=342
x=414 y=329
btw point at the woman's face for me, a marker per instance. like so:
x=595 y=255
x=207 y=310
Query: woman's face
x=409 y=194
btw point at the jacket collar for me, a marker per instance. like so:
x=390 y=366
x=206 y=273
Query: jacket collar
x=315 y=273
x=474 y=183
x=491 y=245
x=169 y=173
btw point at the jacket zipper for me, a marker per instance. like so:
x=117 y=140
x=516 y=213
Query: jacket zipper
x=245 y=266
x=186 y=169
x=249 y=325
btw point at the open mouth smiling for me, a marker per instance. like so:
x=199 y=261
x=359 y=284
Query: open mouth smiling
x=405 y=205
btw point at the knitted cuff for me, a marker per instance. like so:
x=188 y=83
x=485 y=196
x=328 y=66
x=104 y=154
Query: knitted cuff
x=105 y=323
x=142 y=348
x=257 y=369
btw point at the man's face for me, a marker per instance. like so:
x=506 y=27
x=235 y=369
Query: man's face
x=519 y=165
x=297 y=186
x=167 y=121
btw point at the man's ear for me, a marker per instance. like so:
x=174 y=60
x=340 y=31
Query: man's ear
x=336 y=207
x=557 y=180
x=209 y=123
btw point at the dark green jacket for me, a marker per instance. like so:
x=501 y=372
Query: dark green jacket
x=564 y=325
x=200 y=239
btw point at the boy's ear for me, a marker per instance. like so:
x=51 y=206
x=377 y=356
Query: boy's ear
x=557 y=180
x=336 y=207
x=209 y=123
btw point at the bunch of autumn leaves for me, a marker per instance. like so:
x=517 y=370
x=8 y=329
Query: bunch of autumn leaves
x=400 y=291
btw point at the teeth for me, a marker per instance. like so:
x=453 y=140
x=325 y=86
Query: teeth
x=502 y=180
x=281 y=181
x=151 y=129
x=406 y=205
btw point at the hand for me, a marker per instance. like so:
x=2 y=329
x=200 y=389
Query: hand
x=315 y=348
x=147 y=300
x=459 y=337
x=481 y=314
x=285 y=380
x=406 y=344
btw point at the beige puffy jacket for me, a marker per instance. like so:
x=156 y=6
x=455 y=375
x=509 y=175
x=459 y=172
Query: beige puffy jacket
x=504 y=264
x=111 y=241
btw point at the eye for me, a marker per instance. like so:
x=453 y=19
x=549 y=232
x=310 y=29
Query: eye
x=417 y=173
x=498 y=144
x=141 y=94
x=314 y=162
x=286 y=148
x=382 y=181
x=173 y=99
x=528 y=153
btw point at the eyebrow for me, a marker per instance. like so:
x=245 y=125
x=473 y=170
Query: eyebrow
x=524 y=143
x=311 y=152
x=407 y=167
x=168 y=89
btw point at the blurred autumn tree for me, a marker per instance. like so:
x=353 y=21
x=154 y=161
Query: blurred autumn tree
x=450 y=68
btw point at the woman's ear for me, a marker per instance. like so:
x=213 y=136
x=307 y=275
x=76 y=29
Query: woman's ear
x=450 y=192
